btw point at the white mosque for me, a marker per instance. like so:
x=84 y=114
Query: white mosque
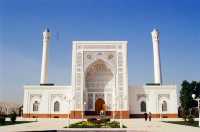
x=99 y=82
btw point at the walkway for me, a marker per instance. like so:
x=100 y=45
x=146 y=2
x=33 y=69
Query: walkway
x=134 y=125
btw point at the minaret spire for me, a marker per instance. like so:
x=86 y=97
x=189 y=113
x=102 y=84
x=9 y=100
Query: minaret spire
x=156 y=55
x=44 y=66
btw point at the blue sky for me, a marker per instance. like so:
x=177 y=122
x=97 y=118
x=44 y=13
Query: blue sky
x=22 y=23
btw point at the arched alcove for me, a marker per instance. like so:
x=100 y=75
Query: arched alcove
x=164 y=106
x=98 y=75
x=35 y=106
x=143 y=106
x=56 y=106
x=98 y=79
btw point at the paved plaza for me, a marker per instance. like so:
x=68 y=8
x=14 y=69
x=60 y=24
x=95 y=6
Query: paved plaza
x=134 y=125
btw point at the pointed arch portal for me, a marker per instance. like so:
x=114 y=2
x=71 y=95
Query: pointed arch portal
x=98 y=80
x=99 y=105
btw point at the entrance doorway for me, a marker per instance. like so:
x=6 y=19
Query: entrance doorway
x=99 y=105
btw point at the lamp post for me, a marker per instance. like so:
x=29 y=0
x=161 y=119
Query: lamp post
x=73 y=103
x=121 y=111
x=68 y=111
x=124 y=97
x=160 y=104
x=68 y=100
x=120 y=108
x=197 y=99
x=113 y=111
x=84 y=103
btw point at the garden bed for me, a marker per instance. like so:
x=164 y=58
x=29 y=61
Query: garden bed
x=96 y=123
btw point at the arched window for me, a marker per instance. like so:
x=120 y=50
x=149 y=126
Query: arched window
x=36 y=106
x=164 y=106
x=143 y=106
x=56 y=106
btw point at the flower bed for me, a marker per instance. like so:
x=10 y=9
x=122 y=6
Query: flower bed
x=96 y=123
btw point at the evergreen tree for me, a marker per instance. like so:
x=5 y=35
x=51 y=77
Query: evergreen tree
x=186 y=98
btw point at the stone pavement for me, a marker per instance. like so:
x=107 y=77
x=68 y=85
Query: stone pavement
x=134 y=125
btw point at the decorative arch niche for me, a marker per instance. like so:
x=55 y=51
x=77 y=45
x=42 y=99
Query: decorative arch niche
x=56 y=106
x=99 y=78
x=98 y=75
x=164 y=106
x=143 y=107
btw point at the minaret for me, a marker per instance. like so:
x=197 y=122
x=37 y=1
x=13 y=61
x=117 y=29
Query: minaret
x=44 y=66
x=156 y=57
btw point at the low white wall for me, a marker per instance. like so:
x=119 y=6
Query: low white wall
x=153 y=95
x=46 y=96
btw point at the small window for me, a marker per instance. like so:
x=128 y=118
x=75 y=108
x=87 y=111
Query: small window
x=56 y=106
x=35 y=106
x=143 y=106
x=164 y=106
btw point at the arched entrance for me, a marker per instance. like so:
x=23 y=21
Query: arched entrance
x=99 y=79
x=99 y=105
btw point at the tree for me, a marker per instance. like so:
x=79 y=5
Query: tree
x=185 y=98
x=2 y=116
x=187 y=103
x=196 y=88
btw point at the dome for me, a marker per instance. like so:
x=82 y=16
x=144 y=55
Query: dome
x=155 y=30
x=46 y=30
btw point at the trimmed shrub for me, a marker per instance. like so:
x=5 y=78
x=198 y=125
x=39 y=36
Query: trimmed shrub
x=13 y=117
x=104 y=120
x=92 y=119
x=2 y=119
x=123 y=126
x=191 y=119
x=114 y=124
x=96 y=124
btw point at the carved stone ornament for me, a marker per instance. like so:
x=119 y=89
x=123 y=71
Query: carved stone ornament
x=163 y=96
x=57 y=95
x=36 y=95
x=139 y=96
x=110 y=56
x=89 y=56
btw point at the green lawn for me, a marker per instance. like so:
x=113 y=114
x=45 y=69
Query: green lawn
x=17 y=122
x=195 y=124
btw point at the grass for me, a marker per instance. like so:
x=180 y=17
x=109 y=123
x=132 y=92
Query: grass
x=11 y=123
x=195 y=124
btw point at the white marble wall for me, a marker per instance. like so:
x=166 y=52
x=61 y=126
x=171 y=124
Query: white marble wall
x=46 y=96
x=153 y=95
x=87 y=52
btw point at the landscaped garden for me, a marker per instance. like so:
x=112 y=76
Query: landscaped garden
x=96 y=123
x=9 y=111
x=12 y=119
